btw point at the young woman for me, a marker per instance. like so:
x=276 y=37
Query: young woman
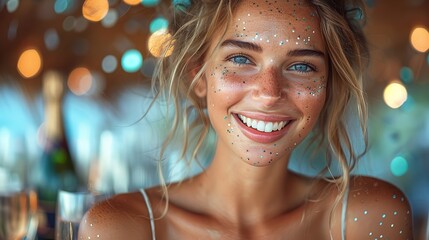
x=263 y=74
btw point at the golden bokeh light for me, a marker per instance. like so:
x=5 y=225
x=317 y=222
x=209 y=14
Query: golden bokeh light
x=132 y=2
x=95 y=10
x=29 y=63
x=395 y=94
x=158 y=41
x=420 y=39
x=80 y=81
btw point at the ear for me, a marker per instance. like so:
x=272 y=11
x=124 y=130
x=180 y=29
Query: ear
x=200 y=88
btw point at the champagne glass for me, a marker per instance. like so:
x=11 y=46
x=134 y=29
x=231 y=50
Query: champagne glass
x=17 y=212
x=71 y=207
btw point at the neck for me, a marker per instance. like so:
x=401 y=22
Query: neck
x=241 y=193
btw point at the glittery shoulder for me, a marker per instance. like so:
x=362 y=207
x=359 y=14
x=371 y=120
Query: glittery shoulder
x=120 y=217
x=377 y=210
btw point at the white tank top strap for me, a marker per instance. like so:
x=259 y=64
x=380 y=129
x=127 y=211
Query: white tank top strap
x=149 y=209
x=344 y=214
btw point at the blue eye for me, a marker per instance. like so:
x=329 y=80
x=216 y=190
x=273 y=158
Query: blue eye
x=239 y=59
x=301 y=67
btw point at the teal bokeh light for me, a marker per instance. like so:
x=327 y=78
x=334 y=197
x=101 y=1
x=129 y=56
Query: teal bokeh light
x=406 y=74
x=150 y=3
x=183 y=3
x=399 y=166
x=60 y=6
x=132 y=61
x=158 y=24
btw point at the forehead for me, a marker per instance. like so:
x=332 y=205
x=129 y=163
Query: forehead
x=293 y=21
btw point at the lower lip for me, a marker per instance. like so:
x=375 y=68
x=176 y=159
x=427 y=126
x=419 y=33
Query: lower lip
x=261 y=137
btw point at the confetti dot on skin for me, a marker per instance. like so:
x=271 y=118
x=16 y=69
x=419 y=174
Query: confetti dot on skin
x=355 y=219
x=383 y=216
x=370 y=234
x=365 y=212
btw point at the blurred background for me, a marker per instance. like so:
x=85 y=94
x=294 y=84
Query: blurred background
x=106 y=51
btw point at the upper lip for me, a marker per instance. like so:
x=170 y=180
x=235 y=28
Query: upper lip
x=267 y=117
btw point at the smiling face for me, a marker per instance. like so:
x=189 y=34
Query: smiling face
x=265 y=84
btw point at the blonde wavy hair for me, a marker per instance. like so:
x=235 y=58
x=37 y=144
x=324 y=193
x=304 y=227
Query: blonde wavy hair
x=194 y=26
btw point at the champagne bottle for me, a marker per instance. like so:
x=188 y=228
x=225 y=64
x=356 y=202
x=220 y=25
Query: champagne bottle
x=56 y=168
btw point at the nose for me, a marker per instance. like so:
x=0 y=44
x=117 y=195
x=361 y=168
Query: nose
x=268 y=87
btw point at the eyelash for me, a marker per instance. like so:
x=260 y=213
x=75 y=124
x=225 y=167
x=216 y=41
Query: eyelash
x=239 y=55
x=310 y=68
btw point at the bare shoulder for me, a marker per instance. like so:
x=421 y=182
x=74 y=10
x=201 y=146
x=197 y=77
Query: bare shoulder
x=377 y=210
x=123 y=216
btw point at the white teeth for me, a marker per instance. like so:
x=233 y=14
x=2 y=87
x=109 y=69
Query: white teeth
x=263 y=126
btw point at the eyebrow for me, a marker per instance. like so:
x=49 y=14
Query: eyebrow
x=305 y=52
x=246 y=45
x=257 y=48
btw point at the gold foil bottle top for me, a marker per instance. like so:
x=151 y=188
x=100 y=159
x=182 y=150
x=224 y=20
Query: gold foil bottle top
x=53 y=85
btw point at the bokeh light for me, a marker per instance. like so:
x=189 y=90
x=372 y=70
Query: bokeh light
x=29 y=63
x=51 y=39
x=131 y=61
x=132 y=2
x=61 y=6
x=150 y=3
x=109 y=64
x=158 y=41
x=395 y=94
x=181 y=3
x=157 y=24
x=95 y=10
x=399 y=166
x=69 y=23
x=79 y=81
x=12 y=5
x=420 y=39
x=110 y=19
x=80 y=24
x=406 y=74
